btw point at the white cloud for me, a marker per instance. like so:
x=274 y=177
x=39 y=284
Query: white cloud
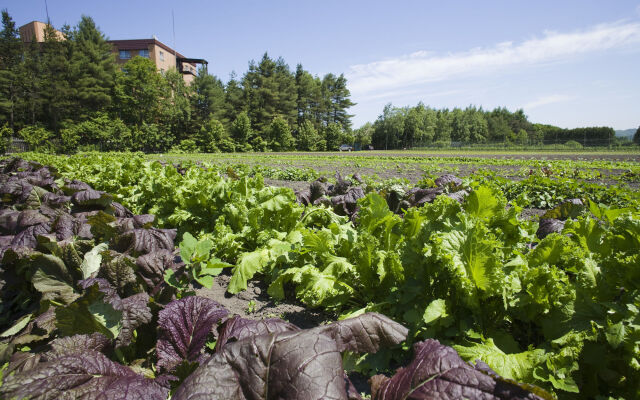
x=422 y=67
x=545 y=100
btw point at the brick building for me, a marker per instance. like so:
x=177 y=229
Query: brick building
x=162 y=55
x=35 y=30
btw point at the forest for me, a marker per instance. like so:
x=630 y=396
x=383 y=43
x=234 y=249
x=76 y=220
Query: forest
x=70 y=95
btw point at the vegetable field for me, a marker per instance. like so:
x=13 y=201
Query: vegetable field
x=483 y=277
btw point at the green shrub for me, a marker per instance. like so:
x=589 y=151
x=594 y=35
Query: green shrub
x=185 y=146
x=5 y=134
x=572 y=144
x=36 y=137
x=101 y=132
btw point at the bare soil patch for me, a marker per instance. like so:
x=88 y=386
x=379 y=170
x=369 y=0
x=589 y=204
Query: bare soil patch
x=255 y=303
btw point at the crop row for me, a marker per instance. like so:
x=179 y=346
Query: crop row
x=451 y=261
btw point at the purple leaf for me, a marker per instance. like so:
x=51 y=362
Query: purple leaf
x=549 y=226
x=88 y=375
x=183 y=328
x=303 y=364
x=120 y=211
x=438 y=372
x=28 y=237
x=237 y=328
x=71 y=187
x=56 y=200
x=9 y=221
x=151 y=267
x=76 y=344
x=135 y=311
x=144 y=241
x=135 y=222
x=90 y=197
x=448 y=180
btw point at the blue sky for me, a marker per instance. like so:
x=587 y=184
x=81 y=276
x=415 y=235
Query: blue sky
x=568 y=63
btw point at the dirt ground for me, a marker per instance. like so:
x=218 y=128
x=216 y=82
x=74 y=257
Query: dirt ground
x=255 y=303
x=548 y=155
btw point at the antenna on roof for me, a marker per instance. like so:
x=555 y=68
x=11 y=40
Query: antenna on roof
x=46 y=7
x=173 y=26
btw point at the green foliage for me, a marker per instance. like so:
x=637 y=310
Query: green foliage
x=562 y=314
x=5 y=135
x=241 y=129
x=100 y=131
x=572 y=144
x=185 y=146
x=279 y=135
x=307 y=138
x=332 y=134
x=211 y=135
x=408 y=127
x=35 y=136
x=200 y=266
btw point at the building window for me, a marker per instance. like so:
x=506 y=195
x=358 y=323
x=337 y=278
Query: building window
x=144 y=53
x=125 y=54
x=161 y=56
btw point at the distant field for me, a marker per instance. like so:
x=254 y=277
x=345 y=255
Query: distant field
x=599 y=167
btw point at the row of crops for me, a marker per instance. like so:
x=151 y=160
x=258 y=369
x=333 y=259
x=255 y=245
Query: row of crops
x=93 y=286
x=301 y=166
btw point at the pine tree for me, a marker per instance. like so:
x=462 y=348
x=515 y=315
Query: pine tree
x=10 y=66
x=208 y=98
x=234 y=99
x=270 y=91
x=93 y=68
x=306 y=96
x=31 y=81
x=336 y=100
x=56 y=91
x=636 y=136
x=140 y=89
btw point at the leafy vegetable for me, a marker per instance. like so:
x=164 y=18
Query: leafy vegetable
x=437 y=372
x=183 y=326
x=299 y=364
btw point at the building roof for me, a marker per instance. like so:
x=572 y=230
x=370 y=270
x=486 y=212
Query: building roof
x=139 y=44
x=35 y=29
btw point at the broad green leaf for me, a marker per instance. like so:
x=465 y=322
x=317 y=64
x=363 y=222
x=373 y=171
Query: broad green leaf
x=187 y=247
x=89 y=314
x=615 y=334
x=92 y=260
x=106 y=316
x=52 y=279
x=517 y=366
x=471 y=256
x=482 y=203
x=202 y=249
x=205 y=281
x=17 y=327
x=248 y=265
x=435 y=310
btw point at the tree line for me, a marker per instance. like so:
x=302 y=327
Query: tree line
x=65 y=95
x=68 y=95
x=408 y=127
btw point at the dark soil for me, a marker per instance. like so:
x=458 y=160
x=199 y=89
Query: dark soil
x=255 y=303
